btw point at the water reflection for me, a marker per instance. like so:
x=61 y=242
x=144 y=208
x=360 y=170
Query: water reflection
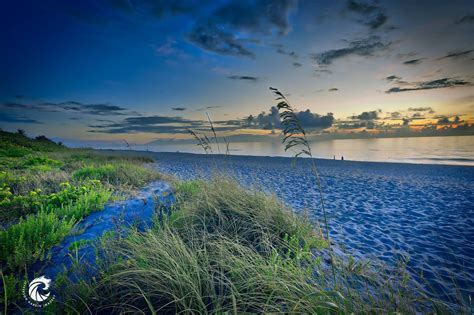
x=457 y=150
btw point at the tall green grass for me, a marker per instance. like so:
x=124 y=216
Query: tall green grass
x=294 y=137
x=224 y=249
x=118 y=174
x=229 y=250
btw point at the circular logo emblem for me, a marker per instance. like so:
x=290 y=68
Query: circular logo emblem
x=36 y=293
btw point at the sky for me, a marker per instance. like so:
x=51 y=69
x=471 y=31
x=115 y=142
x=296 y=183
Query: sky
x=150 y=70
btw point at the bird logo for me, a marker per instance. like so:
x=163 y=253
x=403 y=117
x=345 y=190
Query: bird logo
x=38 y=292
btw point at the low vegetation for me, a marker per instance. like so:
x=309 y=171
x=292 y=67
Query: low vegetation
x=46 y=188
x=225 y=249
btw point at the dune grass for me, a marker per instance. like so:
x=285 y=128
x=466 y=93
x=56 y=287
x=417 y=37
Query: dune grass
x=225 y=249
x=117 y=174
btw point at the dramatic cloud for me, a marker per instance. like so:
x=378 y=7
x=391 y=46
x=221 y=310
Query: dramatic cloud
x=156 y=124
x=297 y=64
x=359 y=47
x=215 y=40
x=221 y=31
x=372 y=15
x=69 y=106
x=429 y=85
x=457 y=54
x=468 y=18
x=446 y=121
x=413 y=61
x=308 y=120
x=4 y=117
x=164 y=124
x=367 y=115
x=180 y=109
x=243 y=77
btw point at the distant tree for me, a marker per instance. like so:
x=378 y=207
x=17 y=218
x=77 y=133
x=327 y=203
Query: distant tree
x=250 y=120
x=42 y=138
x=21 y=132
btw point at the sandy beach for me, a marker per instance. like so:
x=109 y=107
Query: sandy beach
x=376 y=210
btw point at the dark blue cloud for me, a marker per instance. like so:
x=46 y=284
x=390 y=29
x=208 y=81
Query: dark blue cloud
x=243 y=77
x=360 y=47
x=4 y=117
x=308 y=120
x=221 y=32
x=100 y=109
x=457 y=54
x=370 y=12
x=371 y=115
x=465 y=19
x=429 y=85
x=413 y=61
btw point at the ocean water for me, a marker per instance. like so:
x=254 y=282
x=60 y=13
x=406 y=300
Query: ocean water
x=456 y=150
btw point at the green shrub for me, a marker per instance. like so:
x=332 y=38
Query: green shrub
x=88 y=199
x=103 y=172
x=14 y=151
x=70 y=200
x=11 y=289
x=28 y=240
x=9 y=139
x=121 y=174
x=41 y=161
